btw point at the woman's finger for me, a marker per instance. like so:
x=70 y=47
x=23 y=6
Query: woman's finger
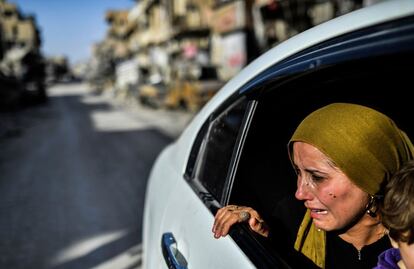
x=259 y=226
x=224 y=226
x=220 y=214
x=227 y=216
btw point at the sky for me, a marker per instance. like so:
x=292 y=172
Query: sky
x=70 y=27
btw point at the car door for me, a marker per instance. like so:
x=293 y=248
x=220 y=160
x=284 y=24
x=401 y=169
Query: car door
x=187 y=239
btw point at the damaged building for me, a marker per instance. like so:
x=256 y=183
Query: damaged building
x=178 y=53
x=22 y=69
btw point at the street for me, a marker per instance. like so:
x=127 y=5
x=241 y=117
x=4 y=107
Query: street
x=72 y=180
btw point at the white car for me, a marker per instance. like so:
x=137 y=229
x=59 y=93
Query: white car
x=234 y=150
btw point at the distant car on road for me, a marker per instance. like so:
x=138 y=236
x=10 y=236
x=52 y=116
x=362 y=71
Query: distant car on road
x=234 y=151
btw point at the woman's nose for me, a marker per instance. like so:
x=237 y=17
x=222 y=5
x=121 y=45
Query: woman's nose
x=303 y=191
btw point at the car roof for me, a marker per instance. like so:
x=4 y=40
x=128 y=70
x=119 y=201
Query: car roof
x=356 y=20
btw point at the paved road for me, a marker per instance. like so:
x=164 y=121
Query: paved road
x=72 y=181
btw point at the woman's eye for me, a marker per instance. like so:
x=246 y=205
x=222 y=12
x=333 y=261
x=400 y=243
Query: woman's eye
x=317 y=178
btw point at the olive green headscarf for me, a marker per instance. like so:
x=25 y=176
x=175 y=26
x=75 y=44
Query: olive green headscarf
x=364 y=143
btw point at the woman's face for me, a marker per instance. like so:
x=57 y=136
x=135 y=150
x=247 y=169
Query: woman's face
x=333 y=200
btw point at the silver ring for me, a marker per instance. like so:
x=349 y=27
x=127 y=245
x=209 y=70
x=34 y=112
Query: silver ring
x=244 y=216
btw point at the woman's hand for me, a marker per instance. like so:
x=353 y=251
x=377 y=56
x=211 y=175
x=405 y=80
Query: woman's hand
x=231 y=214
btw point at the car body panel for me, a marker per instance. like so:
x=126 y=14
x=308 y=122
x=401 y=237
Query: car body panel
x=183 y=216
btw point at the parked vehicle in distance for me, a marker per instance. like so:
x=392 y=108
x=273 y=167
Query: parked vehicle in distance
x=234 y=150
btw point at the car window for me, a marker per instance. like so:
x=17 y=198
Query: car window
x=214 y=146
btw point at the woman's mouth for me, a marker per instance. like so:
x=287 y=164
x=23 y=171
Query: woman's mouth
x=319 y=211
x=316 y=212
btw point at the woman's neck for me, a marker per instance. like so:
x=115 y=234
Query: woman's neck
x=365 y=232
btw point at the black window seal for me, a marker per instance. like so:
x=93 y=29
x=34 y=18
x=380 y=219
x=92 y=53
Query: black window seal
x=256 y=248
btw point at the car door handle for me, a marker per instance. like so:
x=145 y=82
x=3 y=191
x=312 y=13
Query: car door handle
x=172 y=256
